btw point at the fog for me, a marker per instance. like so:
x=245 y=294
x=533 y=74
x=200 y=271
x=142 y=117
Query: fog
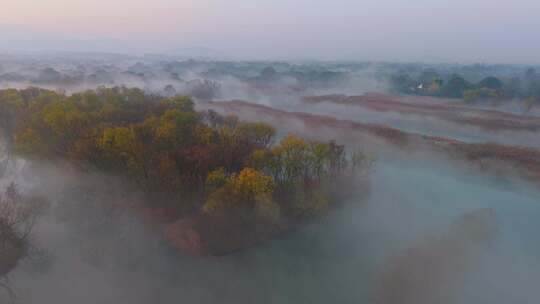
x=90 y=246
x=426 y=125
x=166 y=75
x=337 y=258
x=95 y=255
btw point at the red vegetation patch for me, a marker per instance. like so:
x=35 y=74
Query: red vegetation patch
x=207 y=236
x=183 y=235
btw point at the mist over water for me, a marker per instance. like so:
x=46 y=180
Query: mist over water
x=89 y=252
x=338 y=258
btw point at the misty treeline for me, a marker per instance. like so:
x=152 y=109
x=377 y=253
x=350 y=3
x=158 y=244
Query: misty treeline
x=188 y=162
x=523 y=86
x=205 y=80
x=490 y=85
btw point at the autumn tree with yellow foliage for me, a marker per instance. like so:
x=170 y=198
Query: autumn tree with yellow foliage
x=198 y=163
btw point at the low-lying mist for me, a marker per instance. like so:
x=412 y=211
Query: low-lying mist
x=426 y=125
x=92 y=253
x=433 y=227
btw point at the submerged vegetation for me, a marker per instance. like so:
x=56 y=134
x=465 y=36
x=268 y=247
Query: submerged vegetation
x=215 y=168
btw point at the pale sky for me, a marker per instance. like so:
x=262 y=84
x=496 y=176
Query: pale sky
x=392 y=30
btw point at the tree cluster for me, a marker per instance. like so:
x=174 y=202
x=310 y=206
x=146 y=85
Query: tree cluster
x=202 y=162
x=524 y=87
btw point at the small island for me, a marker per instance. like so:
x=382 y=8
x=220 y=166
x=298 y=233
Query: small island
x=216 y=184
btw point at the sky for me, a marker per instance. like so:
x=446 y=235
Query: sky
x=381 y=30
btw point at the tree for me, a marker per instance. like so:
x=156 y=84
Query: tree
x=216 y=179
x=490 y=83
x=181 y=103
x=258 y=133
x=175 y=128
x=361 y=161
x=10 y=101
x=320 y=158
x=436 y=85
x=403 y=83
x=178 y=157
x=122 y=144
x=292 y=154
x=169 y=90
x=250 y=183
x=30 y=143
x=308 y=202
x=247 y=194
x=118 y=141
x=428 y=75
x=261 y=159
x=65 y=120
x=455 y=87
x=203 y=89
